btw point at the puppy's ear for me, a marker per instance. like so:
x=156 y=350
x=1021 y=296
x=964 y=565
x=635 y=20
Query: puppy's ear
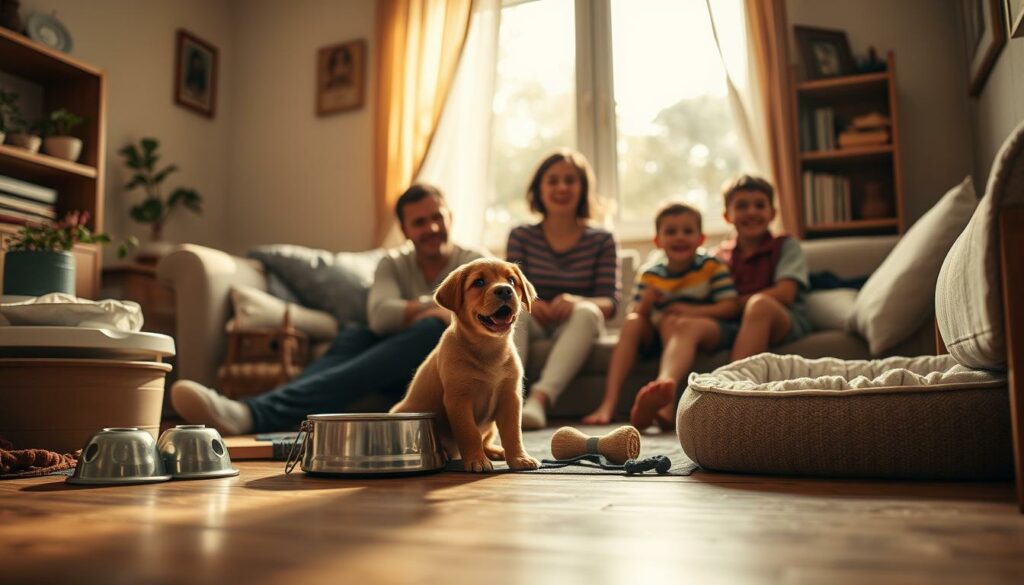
x=449 y=294
x=526 y=291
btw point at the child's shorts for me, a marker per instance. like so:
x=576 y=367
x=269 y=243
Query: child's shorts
x=727 y=330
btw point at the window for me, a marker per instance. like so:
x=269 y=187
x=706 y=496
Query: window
x=636 y=85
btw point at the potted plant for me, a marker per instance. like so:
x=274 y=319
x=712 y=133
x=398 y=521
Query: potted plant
x=16 y=128
x=155 y=209
x=57 y=131
x=38 y=257
x=8 y=111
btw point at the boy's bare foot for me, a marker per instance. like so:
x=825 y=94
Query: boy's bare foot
x=650 y=400
x=666 y=417
x=601 y=416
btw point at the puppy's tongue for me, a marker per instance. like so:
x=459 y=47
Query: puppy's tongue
x=502 y=316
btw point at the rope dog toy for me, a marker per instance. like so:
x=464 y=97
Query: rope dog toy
x=618 y=446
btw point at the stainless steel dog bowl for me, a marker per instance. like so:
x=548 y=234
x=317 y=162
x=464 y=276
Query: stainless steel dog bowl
x=194 y=452
x=369 y=444
x=119 y=456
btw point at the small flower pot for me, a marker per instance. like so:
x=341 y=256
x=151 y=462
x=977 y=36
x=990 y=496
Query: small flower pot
x=34 y=273
x=65 y=147
x=29 y=142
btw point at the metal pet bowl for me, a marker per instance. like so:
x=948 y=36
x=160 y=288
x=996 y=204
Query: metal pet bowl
x=119 y=455
x=374 y=444
x=195 y=452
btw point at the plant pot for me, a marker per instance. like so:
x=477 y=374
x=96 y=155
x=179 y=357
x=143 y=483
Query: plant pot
x=29 y=142
x=65 y=147
x=34 y=273
x=152 y=251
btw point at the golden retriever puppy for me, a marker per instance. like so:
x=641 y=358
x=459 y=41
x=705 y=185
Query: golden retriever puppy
x=473 y=378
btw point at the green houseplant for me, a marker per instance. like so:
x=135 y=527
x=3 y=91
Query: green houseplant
x=57 y=129
x=155 y=208
x=38 y=258
x=15 y=127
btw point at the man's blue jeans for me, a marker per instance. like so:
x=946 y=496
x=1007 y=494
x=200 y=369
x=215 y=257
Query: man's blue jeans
x=359 y=362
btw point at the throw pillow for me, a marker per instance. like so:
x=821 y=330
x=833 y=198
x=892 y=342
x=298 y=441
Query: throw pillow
x=335 y=283
x=969 y=296
x=257 y=309
x=830 y=309
x=898 y=298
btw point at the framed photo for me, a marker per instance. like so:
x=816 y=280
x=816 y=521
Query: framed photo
x=195 y=74
x=986 y=34
x=826 y=53
x=1015 y=18
x=340 y=77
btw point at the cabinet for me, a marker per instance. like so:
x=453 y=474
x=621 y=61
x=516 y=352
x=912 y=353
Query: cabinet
x=852 y=189
x=68 y=83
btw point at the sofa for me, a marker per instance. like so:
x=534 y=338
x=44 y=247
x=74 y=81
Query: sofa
x=201 y=279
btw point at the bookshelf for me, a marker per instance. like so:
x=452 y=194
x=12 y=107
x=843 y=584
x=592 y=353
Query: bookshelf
x=69 y=83
x=855 y=189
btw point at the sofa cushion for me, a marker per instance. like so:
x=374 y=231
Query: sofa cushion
x=830 y=309
x=335 y=283
x=898 y=298
x=968 y=297
x=918 y=418
x=255 y=309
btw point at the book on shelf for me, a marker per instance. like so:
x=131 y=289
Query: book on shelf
x=26 y=190
x=853 y=138
x=817 y=129
x=827 y=198
x=14 y=203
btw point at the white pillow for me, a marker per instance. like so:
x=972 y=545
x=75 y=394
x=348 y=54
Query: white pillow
x=969 y=296
x=256 y=309
x=898 y=298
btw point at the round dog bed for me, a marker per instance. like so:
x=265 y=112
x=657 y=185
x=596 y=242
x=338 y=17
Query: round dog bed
x=913 y=418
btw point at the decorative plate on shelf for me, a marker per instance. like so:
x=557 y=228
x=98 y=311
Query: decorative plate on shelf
x=46 y=29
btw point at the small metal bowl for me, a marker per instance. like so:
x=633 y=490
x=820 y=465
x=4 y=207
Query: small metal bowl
x=374 y=444
x=119 y=455
x=195 y=452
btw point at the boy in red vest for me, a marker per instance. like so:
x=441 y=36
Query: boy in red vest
x=770 y=272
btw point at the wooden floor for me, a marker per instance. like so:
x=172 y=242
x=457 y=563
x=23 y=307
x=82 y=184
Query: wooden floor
x=265 y=527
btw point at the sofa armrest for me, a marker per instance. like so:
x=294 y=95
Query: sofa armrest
x=201 y=279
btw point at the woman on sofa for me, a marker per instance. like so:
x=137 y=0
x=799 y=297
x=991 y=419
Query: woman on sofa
x=573 y=266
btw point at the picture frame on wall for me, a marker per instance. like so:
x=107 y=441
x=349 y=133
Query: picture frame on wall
x=195 y=74
x=985 y=33
x=1015 y=18
x=825 y=52
x=341 y=77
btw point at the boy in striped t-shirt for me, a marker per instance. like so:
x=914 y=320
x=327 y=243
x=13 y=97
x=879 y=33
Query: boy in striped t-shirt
x=686 y=302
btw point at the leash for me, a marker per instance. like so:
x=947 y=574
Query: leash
x=659 y=463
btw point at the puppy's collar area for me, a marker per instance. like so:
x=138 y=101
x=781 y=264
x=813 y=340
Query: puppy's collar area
x=498 y=321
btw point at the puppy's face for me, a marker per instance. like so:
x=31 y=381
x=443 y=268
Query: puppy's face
x=486 y=296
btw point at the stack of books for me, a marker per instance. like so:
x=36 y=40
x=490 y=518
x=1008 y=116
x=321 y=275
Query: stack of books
x=868 y=130
x=817 y=129
x=22 y=202
x=826 y=198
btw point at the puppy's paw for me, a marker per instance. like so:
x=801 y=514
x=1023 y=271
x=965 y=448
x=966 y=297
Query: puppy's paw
x=523 y=461
x=477 y=464
x=494 y=452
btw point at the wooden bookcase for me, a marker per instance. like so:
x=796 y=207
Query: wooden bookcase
x=68 y=83
x=849 y=96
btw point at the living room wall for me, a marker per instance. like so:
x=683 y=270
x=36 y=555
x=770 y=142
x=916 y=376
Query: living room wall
x=926 y=38
x=133 y=42
x=296 y=177
x=1000 y=107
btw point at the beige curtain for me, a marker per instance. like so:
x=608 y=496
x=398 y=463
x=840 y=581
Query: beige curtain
x=418 y=47
x=767 y=48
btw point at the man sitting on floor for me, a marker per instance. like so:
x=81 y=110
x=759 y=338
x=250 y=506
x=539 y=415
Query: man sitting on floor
x=404 y=326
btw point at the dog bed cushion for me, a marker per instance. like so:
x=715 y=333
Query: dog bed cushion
x=914 y=418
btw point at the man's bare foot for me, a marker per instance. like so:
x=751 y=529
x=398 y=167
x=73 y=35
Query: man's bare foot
x=601 y=416
x=651 y=399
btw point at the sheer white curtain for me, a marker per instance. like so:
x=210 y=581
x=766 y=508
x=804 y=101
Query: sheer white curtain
x=458 y=157
x=728 y=23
